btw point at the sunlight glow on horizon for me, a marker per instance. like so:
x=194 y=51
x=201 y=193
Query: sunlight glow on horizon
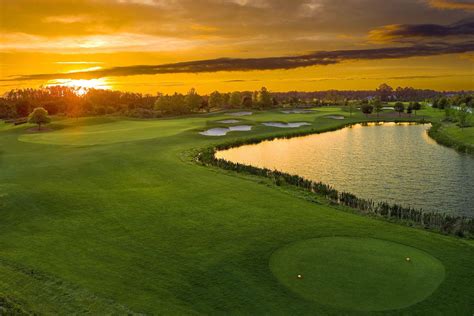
x=81 y=86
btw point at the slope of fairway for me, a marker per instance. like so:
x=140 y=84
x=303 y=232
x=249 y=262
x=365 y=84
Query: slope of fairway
x=363 y=274
x=124 y=221
x=106 y=133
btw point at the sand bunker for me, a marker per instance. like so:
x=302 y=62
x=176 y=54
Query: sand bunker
x=296 y=111
x=335 y=117
x=240 y=113
x=222 y=131
x=387 y=108
x=286 y=125
x=228 y=121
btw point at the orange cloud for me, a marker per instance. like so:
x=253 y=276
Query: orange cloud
x=452 y=4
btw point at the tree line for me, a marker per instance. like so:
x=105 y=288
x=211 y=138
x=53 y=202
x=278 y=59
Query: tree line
x=19 y=103
x=65 y=100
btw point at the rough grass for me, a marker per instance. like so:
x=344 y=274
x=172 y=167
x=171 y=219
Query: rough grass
x=109 y=216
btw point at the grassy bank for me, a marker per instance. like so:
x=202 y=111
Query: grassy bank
x=451 y=135
x=109 y=216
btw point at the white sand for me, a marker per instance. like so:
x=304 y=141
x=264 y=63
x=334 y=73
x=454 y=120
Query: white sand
x=286 y=125
x=296 y=111
x=240 y=113
x=222 y=131
x=229 y=121
x=335 y=117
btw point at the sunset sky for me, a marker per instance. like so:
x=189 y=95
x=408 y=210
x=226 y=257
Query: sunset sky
x=173 y=45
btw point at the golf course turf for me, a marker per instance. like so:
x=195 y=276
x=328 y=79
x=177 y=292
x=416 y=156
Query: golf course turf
x=363 y=274
x=113 y=216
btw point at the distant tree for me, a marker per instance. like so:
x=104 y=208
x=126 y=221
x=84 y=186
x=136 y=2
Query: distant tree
x=442 y=103
x=255 y=103
x=193 y=100
x=449 y=113
x=377 y=104
x=235 y=99
x=225 y=100
x=247 y=102
x=416 y=106
x=39 y=116
x=463 y=114
x=366 y=109
x=264 y=98
x=174 y=104
x=384 y=91
x=75 y=110
x=23 y=107
x=409 y=109
x=7 y=110
x=275 y=102
x=215 y=100
x=205 y=105
x=399 y=107
x=351 y=106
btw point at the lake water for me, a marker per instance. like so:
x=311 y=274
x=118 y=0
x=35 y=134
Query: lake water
x=397 y=163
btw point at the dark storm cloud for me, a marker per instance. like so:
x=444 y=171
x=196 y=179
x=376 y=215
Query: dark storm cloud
x=409 y=31
x=270 y=63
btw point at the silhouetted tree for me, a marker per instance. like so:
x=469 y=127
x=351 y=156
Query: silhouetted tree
x=264 y=98
x=384 y=92
x=235 y=99
x=247 y=101
x=377 y=104
x=366 y=109
x=215 y=100
x=416 y=106
x=399 y=107
x=39 y=116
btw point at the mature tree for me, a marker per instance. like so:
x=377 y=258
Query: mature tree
x=264 y=98
x=384 y=91
x=174 y=104
x=409 y=109
x=193 y=100
x=366 y=109
x=39 y=116
x=235 y=99
x=443 y=103
x=377 y=104
x=399 y=107
x=416 y=106
x=215 y=100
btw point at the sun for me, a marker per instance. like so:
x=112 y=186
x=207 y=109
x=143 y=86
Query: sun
x=81 y=86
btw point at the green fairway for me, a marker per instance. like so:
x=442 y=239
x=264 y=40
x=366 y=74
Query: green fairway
x=357 y=273
x=112 y=216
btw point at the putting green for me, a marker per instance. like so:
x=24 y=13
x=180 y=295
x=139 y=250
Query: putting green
x=363 y=274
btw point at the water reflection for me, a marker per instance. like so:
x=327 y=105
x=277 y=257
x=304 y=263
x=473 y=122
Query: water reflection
x=390 y=162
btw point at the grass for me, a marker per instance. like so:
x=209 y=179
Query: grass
x=451 y=135
x=110 y=216
x=333 y=271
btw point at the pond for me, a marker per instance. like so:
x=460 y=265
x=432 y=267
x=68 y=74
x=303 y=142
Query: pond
x=397 y=163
